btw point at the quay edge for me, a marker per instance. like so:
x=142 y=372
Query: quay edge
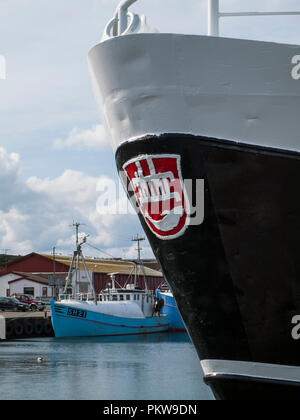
x=15 y=325
x=2 y=328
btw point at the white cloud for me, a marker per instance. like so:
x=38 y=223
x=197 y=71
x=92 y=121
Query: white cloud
x=36 y=214
x=9 y=163
x=13 y=226
x=82 y=139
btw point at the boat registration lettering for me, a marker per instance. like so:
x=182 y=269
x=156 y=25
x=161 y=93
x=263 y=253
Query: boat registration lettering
x=78 y=313
x=296 y=67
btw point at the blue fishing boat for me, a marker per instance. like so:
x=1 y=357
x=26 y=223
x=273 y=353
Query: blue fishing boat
x=78 y=318
x=170 y=308
x=113 y=312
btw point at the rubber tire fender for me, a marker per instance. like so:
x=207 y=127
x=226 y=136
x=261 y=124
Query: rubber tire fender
x=48 y=330
x=38 y=327
x=18 y=329
x=28 y=328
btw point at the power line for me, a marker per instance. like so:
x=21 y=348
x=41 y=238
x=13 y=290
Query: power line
x=101 y=250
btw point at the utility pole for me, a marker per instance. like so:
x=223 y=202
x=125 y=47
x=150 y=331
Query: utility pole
x=138 y=239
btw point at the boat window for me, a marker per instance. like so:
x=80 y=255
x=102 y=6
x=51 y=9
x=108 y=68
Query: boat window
x=121 y=297
x=115 y=297
x=100 y=298
x=134 y=297
x=138 y=297
x=127 y=297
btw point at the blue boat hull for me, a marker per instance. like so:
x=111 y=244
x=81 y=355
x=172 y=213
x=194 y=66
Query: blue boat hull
x=69 y=321
x=170 y=308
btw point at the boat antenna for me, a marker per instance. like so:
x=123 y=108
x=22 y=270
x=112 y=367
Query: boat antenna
x=214 y=16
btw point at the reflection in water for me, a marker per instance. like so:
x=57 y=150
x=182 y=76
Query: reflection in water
x=158 y=366
x=147 y=338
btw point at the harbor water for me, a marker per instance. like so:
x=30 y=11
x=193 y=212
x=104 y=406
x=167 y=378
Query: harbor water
x=150 y=367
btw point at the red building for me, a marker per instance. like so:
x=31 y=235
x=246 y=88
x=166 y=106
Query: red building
x=100 y=269
x=34 y=263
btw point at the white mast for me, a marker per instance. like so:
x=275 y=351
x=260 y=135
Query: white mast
x=214 y=16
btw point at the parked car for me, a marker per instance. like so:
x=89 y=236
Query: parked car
x=34 y=304
x=12 y=304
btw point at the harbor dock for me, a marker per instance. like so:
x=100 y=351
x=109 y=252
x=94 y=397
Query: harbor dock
x=25 y=325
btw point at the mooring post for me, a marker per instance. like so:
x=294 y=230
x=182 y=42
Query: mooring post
x=121 y=14
x=2 y=328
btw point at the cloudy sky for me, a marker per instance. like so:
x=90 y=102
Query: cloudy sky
x=54 y=149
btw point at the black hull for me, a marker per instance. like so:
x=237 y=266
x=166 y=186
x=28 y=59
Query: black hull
x=233 y=388
x=236 y=276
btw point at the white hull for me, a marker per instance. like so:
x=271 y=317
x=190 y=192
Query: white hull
x=215 y=87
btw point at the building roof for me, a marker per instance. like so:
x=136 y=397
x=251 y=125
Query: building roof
x=152 y=264
x=32 y=262
x=19 y=258
x=29 y=276
x=107 y=266
x=96 y=265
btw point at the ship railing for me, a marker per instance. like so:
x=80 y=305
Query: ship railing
x=64 y=296
x=86 y=297
x=83 y=297
x=103 y=296
x=123 y=21
x=214 y=16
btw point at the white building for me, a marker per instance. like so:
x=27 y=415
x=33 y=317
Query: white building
x=4 y=283
x=25 y=283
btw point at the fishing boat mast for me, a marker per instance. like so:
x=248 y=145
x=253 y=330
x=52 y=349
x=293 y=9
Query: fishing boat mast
x=77 y=256
x=140 y=263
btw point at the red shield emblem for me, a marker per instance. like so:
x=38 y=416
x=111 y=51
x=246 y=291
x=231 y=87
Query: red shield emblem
x=159 y=190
